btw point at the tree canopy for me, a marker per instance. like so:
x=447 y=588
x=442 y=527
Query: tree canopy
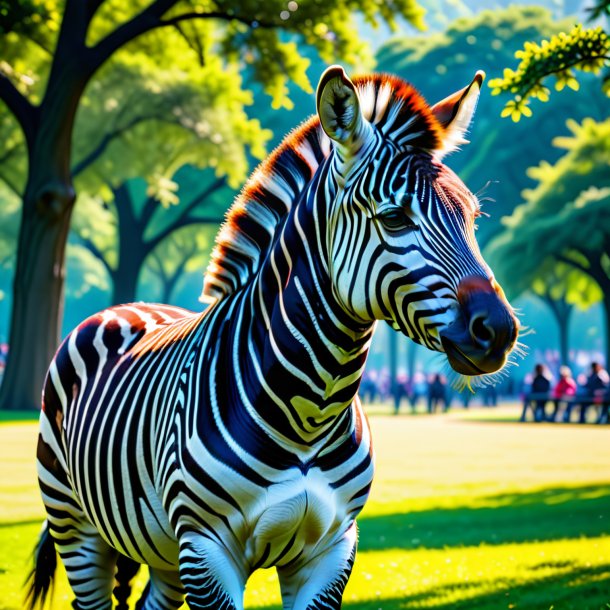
x=133 y=226
x=500 y=151
x=563 y=223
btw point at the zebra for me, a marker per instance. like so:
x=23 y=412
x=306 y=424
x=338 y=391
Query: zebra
x=209 y=445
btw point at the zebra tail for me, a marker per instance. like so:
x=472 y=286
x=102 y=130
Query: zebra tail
x=41 y=577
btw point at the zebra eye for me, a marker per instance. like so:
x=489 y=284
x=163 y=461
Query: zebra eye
x=395 y=219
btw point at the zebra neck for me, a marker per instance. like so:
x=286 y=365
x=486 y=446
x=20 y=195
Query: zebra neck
x=305 y=354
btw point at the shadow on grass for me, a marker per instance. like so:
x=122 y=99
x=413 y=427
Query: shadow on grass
x=548 y=514
x=572 y=588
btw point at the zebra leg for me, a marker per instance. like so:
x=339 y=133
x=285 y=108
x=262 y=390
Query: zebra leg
x=164 y=592
x=319 y=583
x=90 y=562
x=88 y=559
x=210 y=575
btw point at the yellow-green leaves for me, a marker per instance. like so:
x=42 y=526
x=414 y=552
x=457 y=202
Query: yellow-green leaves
x=515 y=108
x=582 y=49
x=563 y=223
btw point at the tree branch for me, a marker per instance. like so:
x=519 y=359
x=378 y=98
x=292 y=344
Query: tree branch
x=11 y=186
x=182 y=219
x=220 y=15
x=151 y=18
x=146 y=20
x=87 y=243
x=92 y=7
x=25 y=113
x=95 y=154
x=40 y=45
x=562 y=258
x=181 y=224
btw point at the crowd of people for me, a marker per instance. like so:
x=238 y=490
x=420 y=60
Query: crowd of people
x=432 y=390
x=590 y=392
x=544 y=398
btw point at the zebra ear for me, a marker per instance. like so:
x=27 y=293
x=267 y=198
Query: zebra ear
x=339 y=108
x=455 y=114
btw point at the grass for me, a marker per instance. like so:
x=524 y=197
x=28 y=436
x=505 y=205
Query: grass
x=468 y=512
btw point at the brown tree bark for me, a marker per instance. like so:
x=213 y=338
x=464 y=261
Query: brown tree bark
x=37 y=303
x=48 y=201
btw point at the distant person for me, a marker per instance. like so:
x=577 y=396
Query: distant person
x=419 y=389
x=402 y=390
x=605 y=406
x=466 y=395
x=368 y=387
x=490 y=396
x=594 y=391
x=437 y=393
x=538 y=394
x=563 y=392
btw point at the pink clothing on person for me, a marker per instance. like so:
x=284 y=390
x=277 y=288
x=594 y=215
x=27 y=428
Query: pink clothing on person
x=565 y=387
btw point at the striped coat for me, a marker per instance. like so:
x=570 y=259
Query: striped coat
x=208 y=445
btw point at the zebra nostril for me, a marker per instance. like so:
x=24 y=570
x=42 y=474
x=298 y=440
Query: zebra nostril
x=480 y=330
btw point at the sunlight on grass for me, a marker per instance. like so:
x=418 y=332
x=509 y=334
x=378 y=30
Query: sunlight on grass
x=463 y=515
x=440 y=578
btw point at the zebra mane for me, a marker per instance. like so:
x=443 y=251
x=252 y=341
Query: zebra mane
x=395 y=107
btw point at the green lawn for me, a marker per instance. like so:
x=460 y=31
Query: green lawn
x=468 y=512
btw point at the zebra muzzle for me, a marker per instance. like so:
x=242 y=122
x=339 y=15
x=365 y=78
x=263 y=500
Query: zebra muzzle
x=480 y=339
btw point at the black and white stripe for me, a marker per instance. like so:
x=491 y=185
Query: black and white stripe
x=208 y=445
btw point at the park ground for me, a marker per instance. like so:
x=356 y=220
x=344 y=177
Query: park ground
x=469 y=511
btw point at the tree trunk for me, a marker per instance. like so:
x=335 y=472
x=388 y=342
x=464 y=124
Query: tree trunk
x=48 y=201
x=564 y=331
x=598 y=272
x=606 y=305
x=37 y=310
x=561 y=311
x=132 y=249
x=125 y=278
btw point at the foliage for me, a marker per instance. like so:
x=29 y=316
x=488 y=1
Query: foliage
x=558 y=242
x=449 y=533
x=500 y=152
x=185 y=252
x=566 y=211
x=250 y=32
x=132 y=230
x=159 y=111
x=562 y=282
x=585 y=49
x=586 y=164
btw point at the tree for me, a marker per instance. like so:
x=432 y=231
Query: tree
x=585 y=49
x=51 y=53
x=184 y=251
x=500 y=151
x=559 y=286
x=135 y=224
x=565 y=218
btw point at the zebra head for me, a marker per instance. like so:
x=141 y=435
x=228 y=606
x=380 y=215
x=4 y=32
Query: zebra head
x=400 y=224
